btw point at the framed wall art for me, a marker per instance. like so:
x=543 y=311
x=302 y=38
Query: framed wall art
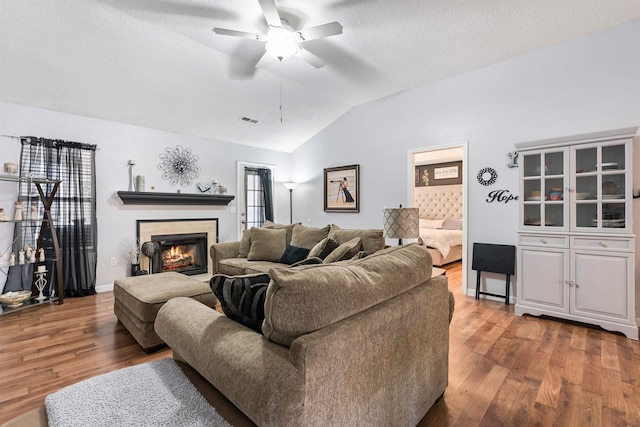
x=342 y=189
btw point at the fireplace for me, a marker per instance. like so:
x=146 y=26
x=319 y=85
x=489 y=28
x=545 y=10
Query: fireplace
x=182 y=253
x=184 y=244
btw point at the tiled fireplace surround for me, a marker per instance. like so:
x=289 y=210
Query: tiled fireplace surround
x=146 y=229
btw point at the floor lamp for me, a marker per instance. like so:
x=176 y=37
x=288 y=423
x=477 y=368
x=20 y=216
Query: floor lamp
x=401 y=223
x=290 y=186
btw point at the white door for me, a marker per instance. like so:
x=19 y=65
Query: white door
x=248 y=200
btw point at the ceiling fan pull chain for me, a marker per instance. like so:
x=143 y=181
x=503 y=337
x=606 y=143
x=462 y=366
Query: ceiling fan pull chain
x=280 y=99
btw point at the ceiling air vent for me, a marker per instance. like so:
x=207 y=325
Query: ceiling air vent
x=247 y=119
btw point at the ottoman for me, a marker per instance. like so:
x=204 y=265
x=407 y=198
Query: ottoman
x=137 y=300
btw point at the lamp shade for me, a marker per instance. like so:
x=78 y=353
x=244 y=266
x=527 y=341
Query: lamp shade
x=401 y=223
x=290 y=185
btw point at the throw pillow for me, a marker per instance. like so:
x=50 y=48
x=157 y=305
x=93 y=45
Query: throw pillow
x=242 y=297
x=287 y=227
x=372 y=239
x=245 y=244
x=324 y=247
x=307 y=261
x=267 y=244
x=308 y=237
x=346 y=250
x=293 y=254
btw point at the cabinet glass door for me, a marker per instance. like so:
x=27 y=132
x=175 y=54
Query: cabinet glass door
x=601 y=188
x=543 y=189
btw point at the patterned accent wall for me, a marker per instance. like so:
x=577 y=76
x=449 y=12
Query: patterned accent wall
x=438 y=202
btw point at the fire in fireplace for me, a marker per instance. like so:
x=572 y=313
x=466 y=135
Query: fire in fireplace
x=182 y=253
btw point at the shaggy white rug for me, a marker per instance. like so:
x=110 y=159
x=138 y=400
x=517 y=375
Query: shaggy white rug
x=151 y=394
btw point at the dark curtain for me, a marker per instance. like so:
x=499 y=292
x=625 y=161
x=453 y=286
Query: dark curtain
x=258 y=196
x=265 y=180
x=73 y=210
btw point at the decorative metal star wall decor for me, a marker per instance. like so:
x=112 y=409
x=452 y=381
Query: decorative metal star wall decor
x=180 y=165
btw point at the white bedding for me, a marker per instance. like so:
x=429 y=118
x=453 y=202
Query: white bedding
x=442 y=240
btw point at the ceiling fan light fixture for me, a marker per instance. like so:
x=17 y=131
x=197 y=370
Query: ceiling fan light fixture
x=282 y=43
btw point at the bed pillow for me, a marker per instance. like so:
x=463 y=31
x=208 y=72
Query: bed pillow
x=242 y=297
x=346 y=250
x=267 y=244
x=452 y=224
x=431 y=223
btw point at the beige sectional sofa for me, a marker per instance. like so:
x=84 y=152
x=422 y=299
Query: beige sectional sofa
x=251 y=255
x=353 y=343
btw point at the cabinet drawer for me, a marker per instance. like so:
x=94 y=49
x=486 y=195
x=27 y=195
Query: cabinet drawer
x=544 y=240
x=602 y=243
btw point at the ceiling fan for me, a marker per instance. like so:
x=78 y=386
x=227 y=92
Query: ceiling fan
x=282 y=41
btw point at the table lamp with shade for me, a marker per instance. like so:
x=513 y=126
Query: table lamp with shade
x=401 y=223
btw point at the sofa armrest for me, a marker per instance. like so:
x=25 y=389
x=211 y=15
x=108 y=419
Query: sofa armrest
x=255 y=374
x=397 y=348
x=220 y=251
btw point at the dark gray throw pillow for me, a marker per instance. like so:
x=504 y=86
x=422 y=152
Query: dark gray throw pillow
x=293 y=254
x=242 y=297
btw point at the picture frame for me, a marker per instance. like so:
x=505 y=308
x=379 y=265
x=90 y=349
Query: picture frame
x=342 y=189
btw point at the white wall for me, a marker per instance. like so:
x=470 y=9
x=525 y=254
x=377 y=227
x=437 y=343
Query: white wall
x=117 y=143
x=585 y=85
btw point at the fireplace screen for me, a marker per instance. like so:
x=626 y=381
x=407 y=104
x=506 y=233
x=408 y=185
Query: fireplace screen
x=182 y=253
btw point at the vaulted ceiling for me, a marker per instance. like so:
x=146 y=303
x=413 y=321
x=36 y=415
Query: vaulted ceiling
x=157 y=63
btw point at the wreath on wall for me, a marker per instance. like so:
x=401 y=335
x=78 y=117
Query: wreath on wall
x=487 y=176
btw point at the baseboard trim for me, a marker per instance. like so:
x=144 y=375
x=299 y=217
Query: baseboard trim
x=108 y=287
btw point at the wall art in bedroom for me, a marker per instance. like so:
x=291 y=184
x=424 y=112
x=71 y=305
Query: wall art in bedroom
x=342 y=189
x=449 y=173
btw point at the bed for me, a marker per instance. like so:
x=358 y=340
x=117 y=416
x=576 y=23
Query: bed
x=440 y=210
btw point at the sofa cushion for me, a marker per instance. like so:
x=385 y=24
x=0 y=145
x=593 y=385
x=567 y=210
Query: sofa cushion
x=345 y=251
x=324 y=247
x=293 y=254
x=267 y=244
x=288 y=228
x=245 y=244
x=372 y=239
x=308 y=237
x=242 y=297
x=304 y=299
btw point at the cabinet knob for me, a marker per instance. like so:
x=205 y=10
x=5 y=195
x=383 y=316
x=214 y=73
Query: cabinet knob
x=544 y=242
x=603 y=245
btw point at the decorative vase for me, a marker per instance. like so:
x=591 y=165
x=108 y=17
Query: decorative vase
x=140 y=183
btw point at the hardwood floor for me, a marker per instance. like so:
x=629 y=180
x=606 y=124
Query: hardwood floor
x=504 y=370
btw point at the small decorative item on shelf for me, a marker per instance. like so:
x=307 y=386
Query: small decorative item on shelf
x=3 y=215
x=18 y=216
x=33 y=212
x=140 y=183
x=41 y=282
x=12 y=259
x=15 y=299
x=21 y=256
x=11 y=167
x=555 y=194
x=41 y=256
x=30 y=254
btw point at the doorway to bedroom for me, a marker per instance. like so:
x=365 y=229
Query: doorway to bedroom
x=437 y=187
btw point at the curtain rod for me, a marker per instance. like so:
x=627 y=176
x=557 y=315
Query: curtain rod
x=20 y=137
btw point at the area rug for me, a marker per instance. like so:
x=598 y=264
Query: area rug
x=151 y=394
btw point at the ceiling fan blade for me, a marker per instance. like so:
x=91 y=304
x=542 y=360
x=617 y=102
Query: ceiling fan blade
x=309 y=57
x=264 y=60
x=234 y=33
x=270 y=12
x=319 y=31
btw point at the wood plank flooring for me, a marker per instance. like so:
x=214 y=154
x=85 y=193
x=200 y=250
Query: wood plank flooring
x=504 y=370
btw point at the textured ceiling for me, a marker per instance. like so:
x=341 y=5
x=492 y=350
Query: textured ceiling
x=157 y=63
